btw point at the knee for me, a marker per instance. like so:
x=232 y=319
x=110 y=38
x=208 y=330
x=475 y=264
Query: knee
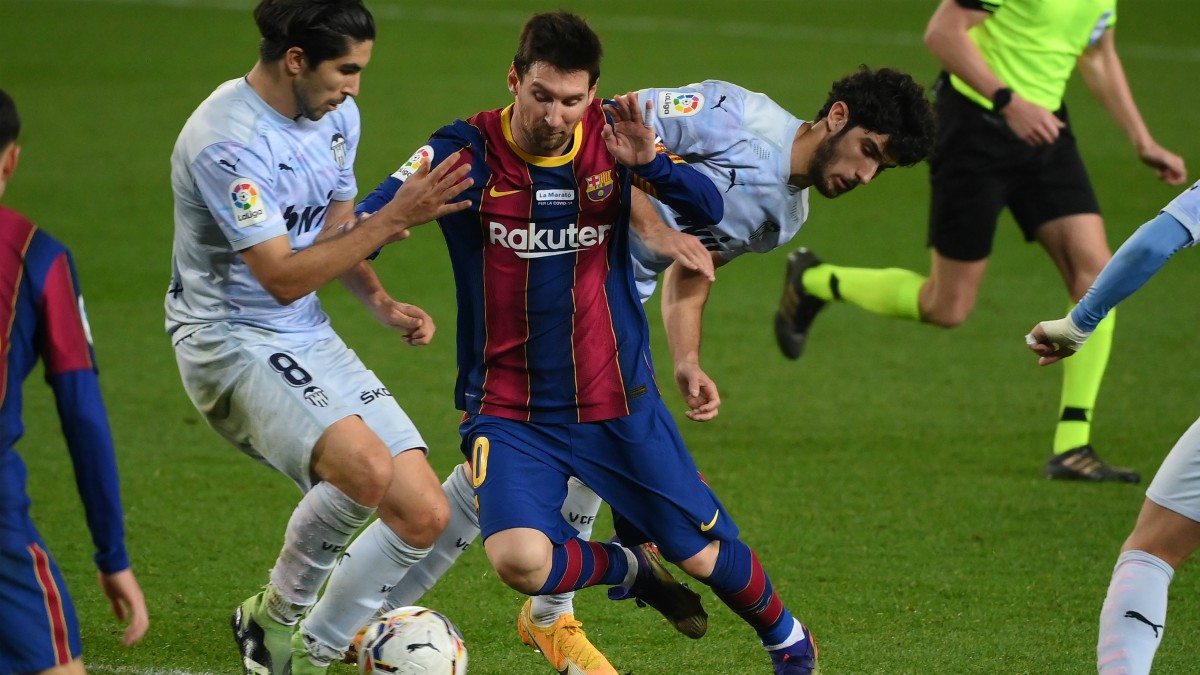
x=522 y=569
x=427 y=523
x=946 y=315
x=526 y=576
x=416 y=516
x=701 y=565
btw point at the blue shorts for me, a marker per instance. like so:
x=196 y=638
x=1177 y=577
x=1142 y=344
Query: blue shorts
x=638 y=464
x=40 y=628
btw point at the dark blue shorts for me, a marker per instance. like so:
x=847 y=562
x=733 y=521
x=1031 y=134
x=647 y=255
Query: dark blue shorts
x=40 y=628
x=638 y=464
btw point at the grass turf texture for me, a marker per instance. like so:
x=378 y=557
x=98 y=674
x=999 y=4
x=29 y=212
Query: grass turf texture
x=890 y=480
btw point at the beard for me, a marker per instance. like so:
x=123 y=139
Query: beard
x=822 y=159
x=305 y=106
x=546 y=142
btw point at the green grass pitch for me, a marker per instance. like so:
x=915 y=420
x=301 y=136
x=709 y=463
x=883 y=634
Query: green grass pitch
x=890 y=480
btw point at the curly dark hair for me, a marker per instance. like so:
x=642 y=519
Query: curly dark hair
x=562 y=40
x=887 y=101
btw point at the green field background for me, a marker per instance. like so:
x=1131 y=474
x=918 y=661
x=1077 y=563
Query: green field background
x=890 y=480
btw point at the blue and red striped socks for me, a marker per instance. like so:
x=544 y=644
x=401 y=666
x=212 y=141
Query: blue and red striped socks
x=578 y=564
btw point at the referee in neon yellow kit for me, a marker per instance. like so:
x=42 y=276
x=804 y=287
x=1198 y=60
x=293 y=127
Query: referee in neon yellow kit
x=1005 y=140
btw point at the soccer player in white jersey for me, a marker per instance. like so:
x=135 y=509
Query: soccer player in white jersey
x=763 y=159
x=1168 y=528
x=263 y=180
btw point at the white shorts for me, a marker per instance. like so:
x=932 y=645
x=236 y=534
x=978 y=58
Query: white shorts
x=1176 y=486
x=273 y=394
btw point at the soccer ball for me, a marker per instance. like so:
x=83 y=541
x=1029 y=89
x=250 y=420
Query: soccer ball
x=412 y=641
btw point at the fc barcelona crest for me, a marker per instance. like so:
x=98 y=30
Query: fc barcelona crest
x=599 y=186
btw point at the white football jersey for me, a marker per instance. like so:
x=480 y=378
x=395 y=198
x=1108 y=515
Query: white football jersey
x=1186 y=209
x=241 y=174
x=742 y=141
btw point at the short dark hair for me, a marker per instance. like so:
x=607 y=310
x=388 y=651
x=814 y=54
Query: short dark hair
x=887 y=101
x=324 y=29
x=10 y=122
x=562 y=40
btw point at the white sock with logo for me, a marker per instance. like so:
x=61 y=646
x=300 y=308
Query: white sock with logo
x=371 y=567
x=319 y=529
x=460 y=532
x=579 y=509
x=1135 y=610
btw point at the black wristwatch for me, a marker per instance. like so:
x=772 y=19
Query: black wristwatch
x=1001 y=98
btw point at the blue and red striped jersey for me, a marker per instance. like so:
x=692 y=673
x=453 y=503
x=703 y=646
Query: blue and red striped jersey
x=550 y=327
x=42 y=315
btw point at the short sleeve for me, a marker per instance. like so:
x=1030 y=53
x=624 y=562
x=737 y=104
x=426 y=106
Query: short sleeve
x=237 y=188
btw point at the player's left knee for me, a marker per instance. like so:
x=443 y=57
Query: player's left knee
x=701 y=565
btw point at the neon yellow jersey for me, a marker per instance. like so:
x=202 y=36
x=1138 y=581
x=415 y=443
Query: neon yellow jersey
x=1033 y=45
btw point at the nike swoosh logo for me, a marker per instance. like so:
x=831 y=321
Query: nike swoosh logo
x=502 y=193
x=705 y=527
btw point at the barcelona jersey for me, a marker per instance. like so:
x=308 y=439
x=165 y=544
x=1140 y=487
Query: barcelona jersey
x=550 y=328
x=41 y=314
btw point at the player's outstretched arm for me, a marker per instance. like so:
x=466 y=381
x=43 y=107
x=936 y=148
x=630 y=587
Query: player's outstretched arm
x=128 y=603
x=677 y=185
x=427 y=195
x=1138 y=259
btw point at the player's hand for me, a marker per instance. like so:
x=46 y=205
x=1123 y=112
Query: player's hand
x=1031 y=122
x=685 y=249
x=1167 y=165
x=428 y=195
x=628 y=138
x=128 y=603
x=411 y=321
x=1056 y=340
x=699 y=391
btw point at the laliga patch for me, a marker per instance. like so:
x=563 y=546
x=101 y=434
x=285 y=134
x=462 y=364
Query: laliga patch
x=679 y=104
x=246 y=199
x=423 y=154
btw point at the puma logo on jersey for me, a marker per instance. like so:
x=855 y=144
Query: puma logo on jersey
x=539 y=242
x=733 y=180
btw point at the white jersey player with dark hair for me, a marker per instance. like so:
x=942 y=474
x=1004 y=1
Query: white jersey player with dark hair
x=263 y=178
x=1168 y=528
x=763 y=159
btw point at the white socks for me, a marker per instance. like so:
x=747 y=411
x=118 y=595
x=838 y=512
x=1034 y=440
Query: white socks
x=373 y=564
x=1135 y=610
x=460 y=532
x=319 y=529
